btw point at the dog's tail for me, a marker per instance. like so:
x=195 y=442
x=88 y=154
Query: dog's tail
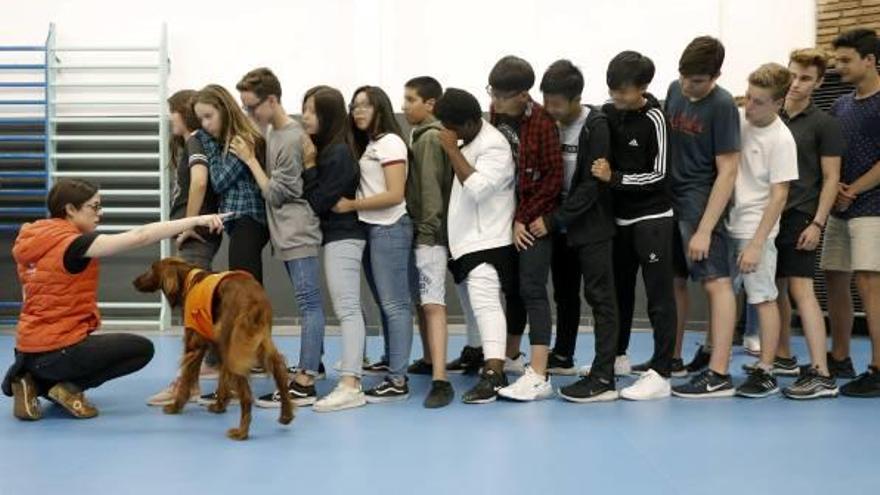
x=253 y=326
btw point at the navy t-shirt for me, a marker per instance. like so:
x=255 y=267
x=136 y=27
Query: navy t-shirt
x=698 y=132
x=860 y=122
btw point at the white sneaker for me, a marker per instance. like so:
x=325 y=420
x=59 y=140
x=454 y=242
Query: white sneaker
x=622 y=367
x=342 y=397
x=529 y=387
x=648 y=387
x=166 y=396
x=752 y=345
x=515 y=366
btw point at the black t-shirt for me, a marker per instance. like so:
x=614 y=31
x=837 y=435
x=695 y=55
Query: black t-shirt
x=194 y=154
x=75 y=260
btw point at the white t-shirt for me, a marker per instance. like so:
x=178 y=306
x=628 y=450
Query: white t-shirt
x=570 y=136
x=769 y=156
x=387 y=150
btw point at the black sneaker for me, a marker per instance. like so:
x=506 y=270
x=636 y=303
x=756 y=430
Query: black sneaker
x=841 y=369
x=758 y=384
x=387 y=391
x=590 y=388
x=470 y=361
x=811 y=385
x=420 y=367
x=700 y=361
x=677 y=369
x=208 y=399
x=441 y=395
x=322 y=373
x=380 y=367
x=558 y=365
x=300 y=395
x=486 y=390
x=707 y=384
x=781 y=366
x=865 y=385
x=642 y=368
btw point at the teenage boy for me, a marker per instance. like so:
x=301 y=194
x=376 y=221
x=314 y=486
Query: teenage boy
x=293 y=227
x=768 y=163
x=853 y=231
x=427 y=197
x=534 y=140
x=810 y=198
x=481 y=210
x=704 y=143
x=643 y=214
x=587 y=220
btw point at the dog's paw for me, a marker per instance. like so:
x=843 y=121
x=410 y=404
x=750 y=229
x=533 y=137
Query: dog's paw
x=237 y=434
x=172 y=409
x=217 y=408
x=285 y=419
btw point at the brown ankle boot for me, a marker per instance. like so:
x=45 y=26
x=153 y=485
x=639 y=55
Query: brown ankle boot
x=72 y=400
x=26 y=404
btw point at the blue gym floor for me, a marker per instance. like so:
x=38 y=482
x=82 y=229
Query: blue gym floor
x=670 y=446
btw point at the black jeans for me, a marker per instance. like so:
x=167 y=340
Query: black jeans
x=532 y=303
x=598 y=272
x=647 y=245
x=566 y=274
x=246 y=242
x=90 y=363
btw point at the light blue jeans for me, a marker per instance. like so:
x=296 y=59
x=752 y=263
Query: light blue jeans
x=305 y=275
x=342 y=266
x=387 y=258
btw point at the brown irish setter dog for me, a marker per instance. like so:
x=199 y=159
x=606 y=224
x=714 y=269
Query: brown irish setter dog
x=242 y=327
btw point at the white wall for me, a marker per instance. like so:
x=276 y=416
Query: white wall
x=347 y=43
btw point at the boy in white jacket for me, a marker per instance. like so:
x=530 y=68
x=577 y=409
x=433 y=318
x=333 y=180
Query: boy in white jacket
x=480 y=219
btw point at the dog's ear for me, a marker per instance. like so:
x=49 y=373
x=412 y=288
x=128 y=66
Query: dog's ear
x=173 y=275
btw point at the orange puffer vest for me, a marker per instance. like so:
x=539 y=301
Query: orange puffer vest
x=197 y=308
x=60 y=309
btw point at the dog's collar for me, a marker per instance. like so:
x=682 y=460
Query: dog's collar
x=187 y=285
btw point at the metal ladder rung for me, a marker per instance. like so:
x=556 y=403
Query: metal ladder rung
x=86 y=48
x=22 y=48
x=106 y=156
x=130 y=192
x=34 y=84
x=21 y=138
x=22 y=156
x=106 y=119
x=100 y=103
x=125 y=210
x=22 y=66
x=106 y=85
x=104 y=67
x=22 y=121
x=129 y=305
x=21 y=210
x=22 y=102
x=23 y=175
x=112 y=322
x=107 y=175
x=22 y=192
x=102 y=137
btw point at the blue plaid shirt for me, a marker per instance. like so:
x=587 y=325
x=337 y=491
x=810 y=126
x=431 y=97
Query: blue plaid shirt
x=233 y=182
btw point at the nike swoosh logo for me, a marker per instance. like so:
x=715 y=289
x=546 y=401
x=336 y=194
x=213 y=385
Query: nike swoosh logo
x=710 y=388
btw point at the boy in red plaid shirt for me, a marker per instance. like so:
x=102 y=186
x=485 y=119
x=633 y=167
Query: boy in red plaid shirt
x=534 y=139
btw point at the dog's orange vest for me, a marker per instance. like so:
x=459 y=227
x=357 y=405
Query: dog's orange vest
x=197 y=313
